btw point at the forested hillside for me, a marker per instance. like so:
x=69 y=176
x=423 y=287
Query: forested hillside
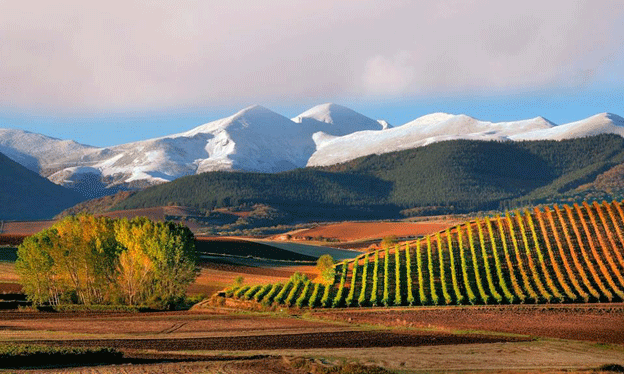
x=453 y=176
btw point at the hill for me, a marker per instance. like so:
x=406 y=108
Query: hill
x=550 y=255
x=24 y=195
x=447 y=177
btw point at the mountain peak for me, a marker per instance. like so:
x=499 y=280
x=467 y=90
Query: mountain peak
x=617 y=120
x=336 y=120
x=326 y=113
x=252 y=110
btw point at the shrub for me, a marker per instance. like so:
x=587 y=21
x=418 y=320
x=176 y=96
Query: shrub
x=302 y=297
x=314 y=296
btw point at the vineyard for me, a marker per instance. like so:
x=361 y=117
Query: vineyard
x=567 y=254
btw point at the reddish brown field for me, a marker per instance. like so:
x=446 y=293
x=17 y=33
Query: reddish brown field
x=419 y=339
x=350 y=231
x=213 y=330
x=216 y=276
x=25 y=227
x=592 y=322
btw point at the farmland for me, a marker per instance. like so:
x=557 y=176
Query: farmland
x=246 y=336
x=555 y=255
x=433 y=338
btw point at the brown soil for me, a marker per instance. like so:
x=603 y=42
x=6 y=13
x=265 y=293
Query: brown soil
x=26 y=228
x=9 y=288
x=342 y=339
x=598 y=322
x=350 y=231
x=249 y=342
x=211 y=330
x=216 y=276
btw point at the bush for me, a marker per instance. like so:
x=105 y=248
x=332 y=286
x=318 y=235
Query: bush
x=302 y=297
x=268 y=298
x=314 y=296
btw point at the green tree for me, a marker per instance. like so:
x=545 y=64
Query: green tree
x=89 y=260
x=77 y=254
x=171 y=249
x=326 y=268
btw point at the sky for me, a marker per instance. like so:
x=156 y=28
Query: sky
x=105 y=73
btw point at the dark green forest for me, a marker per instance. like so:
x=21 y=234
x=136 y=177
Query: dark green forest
x=448 y=177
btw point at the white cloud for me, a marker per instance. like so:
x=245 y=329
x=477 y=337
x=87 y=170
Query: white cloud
x=131 y=54
x=389 y=76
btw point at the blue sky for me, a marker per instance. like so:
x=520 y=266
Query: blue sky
x=105 y=74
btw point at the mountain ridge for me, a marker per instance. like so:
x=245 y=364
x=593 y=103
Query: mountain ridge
x=455 y=176
x=260 y=140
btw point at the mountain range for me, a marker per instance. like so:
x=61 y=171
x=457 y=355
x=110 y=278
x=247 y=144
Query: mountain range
x=455 y=176
x=257 y=139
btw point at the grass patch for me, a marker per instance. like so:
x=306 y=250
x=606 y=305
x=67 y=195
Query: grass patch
x=32 y=355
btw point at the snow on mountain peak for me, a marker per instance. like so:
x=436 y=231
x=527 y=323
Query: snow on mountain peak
x=429 y=119
x=337 y=120
x=384 y=124
x=258 y=139
x=326 y=113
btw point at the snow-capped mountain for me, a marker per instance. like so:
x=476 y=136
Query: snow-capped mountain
x=254 y=139
x=39 y=152
x=337 y=120
x=603 y=123
x=437 y=127
x=258 y=139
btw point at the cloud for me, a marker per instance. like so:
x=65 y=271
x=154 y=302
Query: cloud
x=128 y=55
x=389 y=76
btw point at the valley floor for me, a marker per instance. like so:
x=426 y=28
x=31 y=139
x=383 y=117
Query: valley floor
x=516 y=338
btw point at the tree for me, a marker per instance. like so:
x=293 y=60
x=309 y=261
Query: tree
x=77 y=254
x=325 y=266
x=89 y=260
x=389 y=241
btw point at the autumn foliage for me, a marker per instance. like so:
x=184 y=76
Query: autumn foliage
x=97 y=260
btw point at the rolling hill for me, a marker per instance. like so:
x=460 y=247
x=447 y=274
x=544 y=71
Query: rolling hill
x=25 y=195
x=452 y=176
x=549 y=255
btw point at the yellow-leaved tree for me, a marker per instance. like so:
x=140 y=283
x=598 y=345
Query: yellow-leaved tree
x=96 y=260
